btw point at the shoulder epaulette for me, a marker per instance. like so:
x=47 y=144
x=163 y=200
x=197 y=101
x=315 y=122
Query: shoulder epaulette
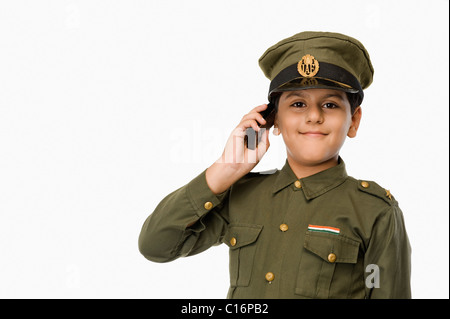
x=374 y=189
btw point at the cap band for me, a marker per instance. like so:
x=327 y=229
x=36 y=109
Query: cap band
x=327 y=71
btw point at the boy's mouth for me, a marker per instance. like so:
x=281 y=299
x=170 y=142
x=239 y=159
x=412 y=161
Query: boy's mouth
x=313 y=133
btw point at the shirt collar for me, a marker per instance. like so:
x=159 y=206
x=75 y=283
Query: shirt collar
x=314 y=185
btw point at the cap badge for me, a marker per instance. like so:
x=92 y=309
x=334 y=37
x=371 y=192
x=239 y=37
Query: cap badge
x=308 y=66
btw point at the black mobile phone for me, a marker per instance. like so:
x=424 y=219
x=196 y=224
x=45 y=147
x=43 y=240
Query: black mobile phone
x=251 y=136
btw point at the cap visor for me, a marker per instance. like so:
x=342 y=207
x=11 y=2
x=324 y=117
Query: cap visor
x=313 y=83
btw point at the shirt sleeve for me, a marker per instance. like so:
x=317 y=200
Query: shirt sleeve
x=186 y=222
x=388 y=258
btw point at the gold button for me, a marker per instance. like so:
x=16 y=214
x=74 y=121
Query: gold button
x=233 y=241
x=270 y=276
x=331 y=258
x=364 y=184
x=208 y=205
x=284 y=227
x=298 y=184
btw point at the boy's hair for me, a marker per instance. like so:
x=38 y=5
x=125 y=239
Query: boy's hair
x=352 y=98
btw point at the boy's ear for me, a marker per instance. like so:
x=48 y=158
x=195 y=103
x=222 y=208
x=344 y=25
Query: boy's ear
x=356 y=119
x=276 y=130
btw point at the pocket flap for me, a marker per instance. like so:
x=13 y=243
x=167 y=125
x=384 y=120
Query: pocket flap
x=239 y=235
x=345 y=250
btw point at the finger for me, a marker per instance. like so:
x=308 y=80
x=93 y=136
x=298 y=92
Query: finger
x=264 y=145
x=255 y=116
x=264 y=138
x=245 y=124
x=259 y=108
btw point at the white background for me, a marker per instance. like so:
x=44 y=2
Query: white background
x=108 y=106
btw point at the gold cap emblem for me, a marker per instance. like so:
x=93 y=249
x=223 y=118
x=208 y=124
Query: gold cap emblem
x=308 y=66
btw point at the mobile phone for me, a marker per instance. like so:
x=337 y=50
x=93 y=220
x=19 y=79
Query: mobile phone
x=251 y=136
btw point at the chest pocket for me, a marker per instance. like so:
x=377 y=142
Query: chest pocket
x=327 y=264
x=241 y=238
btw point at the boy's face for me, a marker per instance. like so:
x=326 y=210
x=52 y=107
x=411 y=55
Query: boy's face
x=314 y=124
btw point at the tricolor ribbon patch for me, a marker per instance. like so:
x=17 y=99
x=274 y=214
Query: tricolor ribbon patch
x=324 y=229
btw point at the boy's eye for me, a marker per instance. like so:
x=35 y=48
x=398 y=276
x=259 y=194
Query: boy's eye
x=298 y=104
x=330 y=106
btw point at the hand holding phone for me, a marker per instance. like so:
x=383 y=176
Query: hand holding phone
x=237 y=159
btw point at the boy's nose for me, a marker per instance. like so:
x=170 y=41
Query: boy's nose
x=314 y=115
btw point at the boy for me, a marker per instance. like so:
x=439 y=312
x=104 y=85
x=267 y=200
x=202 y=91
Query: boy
x=308 y=230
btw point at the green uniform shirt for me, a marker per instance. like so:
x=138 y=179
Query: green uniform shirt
x=324 y=236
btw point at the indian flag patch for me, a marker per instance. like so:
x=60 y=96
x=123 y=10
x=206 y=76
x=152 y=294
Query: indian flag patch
x=324 y=229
